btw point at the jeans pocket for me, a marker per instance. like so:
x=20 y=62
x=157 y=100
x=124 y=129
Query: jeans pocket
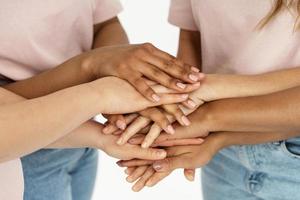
x=291 y=147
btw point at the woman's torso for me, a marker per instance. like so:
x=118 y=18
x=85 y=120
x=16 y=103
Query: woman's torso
x=231 y=42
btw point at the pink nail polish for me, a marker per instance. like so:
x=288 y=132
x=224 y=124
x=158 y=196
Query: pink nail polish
x=155 y=97
x=185 y=120
x=121 y=125
x=191 y=103
x=195 y=69
x=181 y=85
x=193 y=77
x=157 y=166
x=170 y=129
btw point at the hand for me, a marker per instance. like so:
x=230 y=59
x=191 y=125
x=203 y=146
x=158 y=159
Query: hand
x=133 y=62
x=118 y=96
x=200 y=126
x=149 y=173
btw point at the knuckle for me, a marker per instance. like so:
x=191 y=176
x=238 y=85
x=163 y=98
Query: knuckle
x=148 y=46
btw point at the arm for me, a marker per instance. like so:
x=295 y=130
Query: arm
x=43 y=120
x=221 y=86
x=71 y=72
x=109 y=33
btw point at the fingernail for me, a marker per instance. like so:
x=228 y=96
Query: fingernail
x=191 y=103
x=121 y=125
x=201 y=75
x=149 y=183
x=184 y=96
x=195 y=69
x=119 y=163
x=161 y=153
x=135 y=188
x=196 y=84
x=145 y=145
x=185 y=120
x=170 y=129
x=126 y=171
x=190 y=177
x=155 y=97
x=193 y=77
x=129 y=179
x=104 y=130
x=120 y=141
x=181 y=85
x=157 y=166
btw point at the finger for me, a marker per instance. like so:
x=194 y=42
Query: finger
x=151 y=136
x=171 y=65
x=137 y=140
x=148 y=154
x=136 y=174
x=172 y=98
x=172 y=163
x=118 y=120
x=156 y=74
x=189 y=174
x=134 y=163
x=176 y=112
x=190 y=104
x=140 y=84
x=111 y=128
x=129 y=170
x=156 y=178
x=133 y=128
x=140 y=184
x=180 y=142
x=159 y=118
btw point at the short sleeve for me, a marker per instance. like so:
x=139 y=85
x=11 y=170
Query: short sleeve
x=181 y=14
x=106 y=9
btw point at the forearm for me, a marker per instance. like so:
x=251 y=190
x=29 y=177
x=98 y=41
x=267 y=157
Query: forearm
x=276 y=112
x=109 y=33
x=251 y=138
x=221 y=86
x=87 y=135
x=68 y=74
x=42 y=121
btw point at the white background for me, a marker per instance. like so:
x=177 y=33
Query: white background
x=145 y=21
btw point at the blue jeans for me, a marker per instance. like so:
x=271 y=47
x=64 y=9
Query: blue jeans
x=258 y=172
x=67 y=174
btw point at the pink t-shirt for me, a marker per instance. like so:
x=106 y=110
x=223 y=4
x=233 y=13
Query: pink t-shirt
x=230 y=41
x=37 y=35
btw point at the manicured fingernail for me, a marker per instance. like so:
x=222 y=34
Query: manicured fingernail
x=129 y=179
x=181 y=85
x=121 y=125
x=196 y=84
x=155 y=97
x=191 y=103
x=195 y=69
x=149 y=183
x=170 y=129
x=157 y=166
x=126 y=171
x=119 y=163
x=184 y=96
x=190 y=177
x=201 y=75
x=161 y=153
x=185 y=120
x=120 y=141
x=193 y=77
x=135 y=188
x=104 y=130
x=145 y=145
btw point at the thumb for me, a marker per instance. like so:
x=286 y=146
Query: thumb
x=149 y=153
x=171 y=163
x=189 y=174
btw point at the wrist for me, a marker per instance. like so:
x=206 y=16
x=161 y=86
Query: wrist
x=87 y=65
x=208 y=117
